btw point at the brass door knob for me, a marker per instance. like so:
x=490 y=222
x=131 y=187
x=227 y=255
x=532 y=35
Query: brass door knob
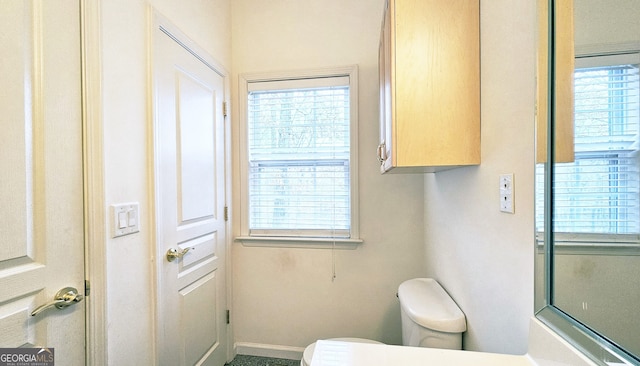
x=173 y=253
x=65 y=297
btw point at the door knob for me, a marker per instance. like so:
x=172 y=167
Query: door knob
x=65 y=297
x=173 y=253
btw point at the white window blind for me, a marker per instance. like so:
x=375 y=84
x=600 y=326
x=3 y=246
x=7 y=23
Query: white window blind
x=299 y=158
x=599 y=191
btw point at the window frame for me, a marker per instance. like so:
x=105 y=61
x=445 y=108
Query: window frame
x=351 y=242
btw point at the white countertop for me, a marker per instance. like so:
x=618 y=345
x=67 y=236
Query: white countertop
x=335 y=353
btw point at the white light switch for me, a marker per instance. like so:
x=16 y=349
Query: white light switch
x=122 y=220
x=132 y=217
x=125 y=217
x=506 y=193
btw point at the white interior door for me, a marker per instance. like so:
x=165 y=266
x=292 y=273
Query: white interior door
x=41 y=195
x=190 y=200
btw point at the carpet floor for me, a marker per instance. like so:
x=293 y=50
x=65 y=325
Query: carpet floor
x=244 y=360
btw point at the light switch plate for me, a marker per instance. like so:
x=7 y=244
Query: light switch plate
x=506 y=193
x=125 y=218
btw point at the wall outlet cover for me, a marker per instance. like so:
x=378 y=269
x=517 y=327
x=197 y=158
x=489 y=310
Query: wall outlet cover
x=506 y=193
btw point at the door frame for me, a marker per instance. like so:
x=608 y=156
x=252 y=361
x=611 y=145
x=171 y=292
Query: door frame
x=95 y=224
x=157 y=21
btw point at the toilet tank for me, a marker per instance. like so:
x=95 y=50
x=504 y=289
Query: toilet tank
x=430 y=317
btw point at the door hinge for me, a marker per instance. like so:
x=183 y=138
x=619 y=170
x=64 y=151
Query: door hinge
x=228 y=317
x=87 y=288
x=226 y=213
x=224 y=109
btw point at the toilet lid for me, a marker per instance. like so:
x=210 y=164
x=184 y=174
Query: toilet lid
x=307 y=355
x=429 y=305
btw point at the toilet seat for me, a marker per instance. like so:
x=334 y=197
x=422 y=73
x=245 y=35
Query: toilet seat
x=307 y=355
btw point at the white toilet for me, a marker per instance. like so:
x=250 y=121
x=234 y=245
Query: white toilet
x=430 y=318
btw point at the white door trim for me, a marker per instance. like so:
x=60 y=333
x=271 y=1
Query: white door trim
x=160 y=21
x=94 y=192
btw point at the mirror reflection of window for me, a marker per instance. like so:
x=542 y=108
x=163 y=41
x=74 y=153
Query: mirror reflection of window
x=599 y=193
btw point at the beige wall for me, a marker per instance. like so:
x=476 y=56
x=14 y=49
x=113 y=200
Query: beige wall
x=285 y=297
x=598 y=23
x=124 y=29
x=484 y=258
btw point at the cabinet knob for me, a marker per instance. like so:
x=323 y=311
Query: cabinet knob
x=382 y=153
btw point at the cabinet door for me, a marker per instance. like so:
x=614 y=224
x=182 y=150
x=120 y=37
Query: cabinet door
x=436 y=83
x=429 y=85
x=563 y=74
x=385 y=151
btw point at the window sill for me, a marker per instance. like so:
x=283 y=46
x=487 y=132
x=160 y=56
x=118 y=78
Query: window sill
x=592 y=244
x=297 y=242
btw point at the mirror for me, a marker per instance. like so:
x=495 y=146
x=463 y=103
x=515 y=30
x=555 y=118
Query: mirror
x=588 y=192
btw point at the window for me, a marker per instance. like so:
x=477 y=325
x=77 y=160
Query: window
x=599 y=192
x=300 y=155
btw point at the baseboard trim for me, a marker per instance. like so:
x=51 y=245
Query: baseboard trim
x=269 y=350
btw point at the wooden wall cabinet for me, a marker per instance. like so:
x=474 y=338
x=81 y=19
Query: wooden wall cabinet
x=429 y=64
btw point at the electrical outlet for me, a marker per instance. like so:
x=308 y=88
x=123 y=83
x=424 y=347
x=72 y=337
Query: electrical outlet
x=506 y=193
